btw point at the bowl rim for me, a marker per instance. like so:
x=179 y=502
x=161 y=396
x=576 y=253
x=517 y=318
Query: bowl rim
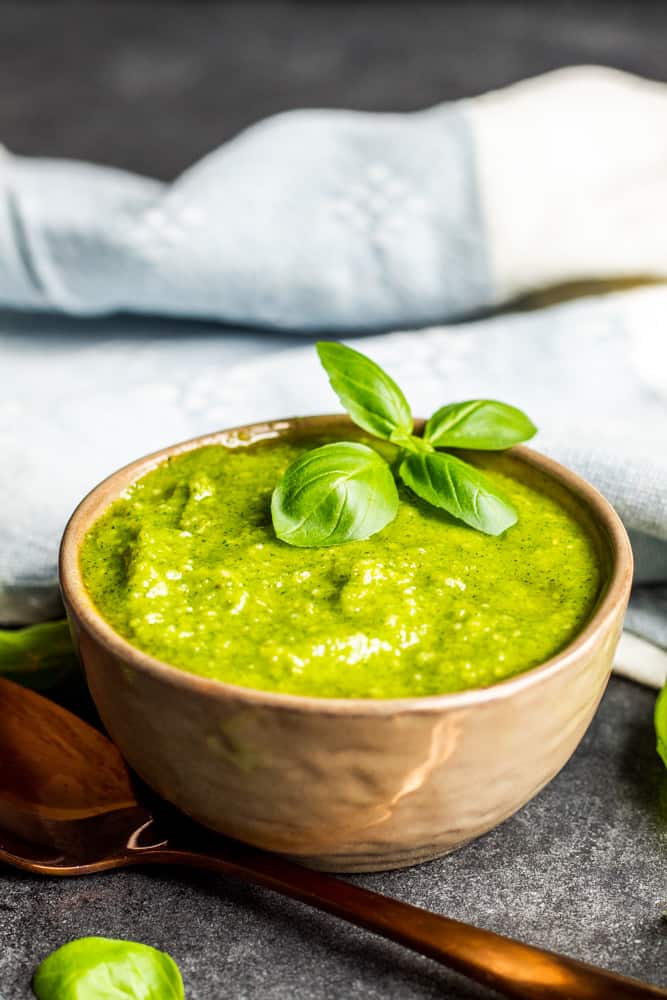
x=81 y=608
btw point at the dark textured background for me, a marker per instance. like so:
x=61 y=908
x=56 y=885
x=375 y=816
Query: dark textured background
x=152 y=86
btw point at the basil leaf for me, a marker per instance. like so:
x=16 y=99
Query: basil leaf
x=93 y=968
x=340 y=492
x=483 y=424
x=661 y=724
x=39 y=656
x=458 y=488
x=369 y=395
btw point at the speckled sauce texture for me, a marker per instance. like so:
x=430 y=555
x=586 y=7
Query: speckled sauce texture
x=187 y=567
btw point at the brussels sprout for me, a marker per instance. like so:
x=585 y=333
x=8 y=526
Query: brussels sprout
x=94 y=968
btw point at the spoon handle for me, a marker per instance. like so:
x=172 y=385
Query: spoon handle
x=508 y=966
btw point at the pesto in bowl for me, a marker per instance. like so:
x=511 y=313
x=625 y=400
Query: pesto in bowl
x=185 y=565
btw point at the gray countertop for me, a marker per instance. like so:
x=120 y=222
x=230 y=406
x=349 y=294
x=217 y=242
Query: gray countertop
x=151 y=86
x=580 y=869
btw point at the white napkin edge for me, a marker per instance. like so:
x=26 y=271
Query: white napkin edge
x=640 y=660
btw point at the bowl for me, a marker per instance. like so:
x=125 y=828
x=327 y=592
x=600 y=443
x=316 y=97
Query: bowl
x=349 y=784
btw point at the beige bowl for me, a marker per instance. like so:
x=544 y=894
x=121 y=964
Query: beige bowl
x=349 y=785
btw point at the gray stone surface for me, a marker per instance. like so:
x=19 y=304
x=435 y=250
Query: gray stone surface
x=154 y=85
x=151 y=86
x=581 y=869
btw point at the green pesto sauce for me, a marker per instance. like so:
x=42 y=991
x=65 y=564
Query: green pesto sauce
x=187 y=567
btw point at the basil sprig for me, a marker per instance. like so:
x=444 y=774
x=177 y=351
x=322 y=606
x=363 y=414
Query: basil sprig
x=345 y=491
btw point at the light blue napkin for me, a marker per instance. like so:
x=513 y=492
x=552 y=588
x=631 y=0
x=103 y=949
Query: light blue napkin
x=347 y=223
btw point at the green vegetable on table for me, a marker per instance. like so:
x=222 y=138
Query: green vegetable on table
x=345 y=492
x=38 y=656
x=661 y=724
x=95 y=968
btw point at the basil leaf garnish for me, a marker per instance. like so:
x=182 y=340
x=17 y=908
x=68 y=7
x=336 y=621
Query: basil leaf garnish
x=369 y=395
x=346 y=491
x=337 y=493
x=483 y=424
x=661 y=724
x=458 y=488
x=94 y=967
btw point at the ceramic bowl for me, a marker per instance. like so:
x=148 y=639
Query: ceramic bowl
x=349 y=785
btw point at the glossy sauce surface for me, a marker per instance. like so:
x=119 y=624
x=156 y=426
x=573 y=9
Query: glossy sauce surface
x=186 y=566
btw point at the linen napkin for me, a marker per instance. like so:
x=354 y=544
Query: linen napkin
x=344 y=222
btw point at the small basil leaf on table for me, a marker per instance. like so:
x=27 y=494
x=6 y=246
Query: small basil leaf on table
x=661 y=724
x=95 y=968
x=369 y=395
x=458 y=488
x=340 y=492
x=38 y=656
x=483 y=424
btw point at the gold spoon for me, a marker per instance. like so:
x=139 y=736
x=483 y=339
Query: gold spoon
x=68 y=807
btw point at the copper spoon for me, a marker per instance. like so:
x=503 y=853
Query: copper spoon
x=68 y=807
